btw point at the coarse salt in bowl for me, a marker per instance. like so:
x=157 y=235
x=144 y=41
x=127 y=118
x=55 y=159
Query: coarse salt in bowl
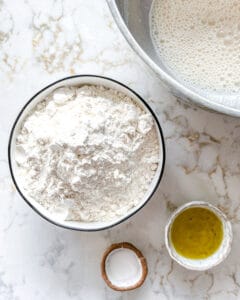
x=124 y=267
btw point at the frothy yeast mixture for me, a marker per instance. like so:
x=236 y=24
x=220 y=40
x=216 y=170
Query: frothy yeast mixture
x=199 y=41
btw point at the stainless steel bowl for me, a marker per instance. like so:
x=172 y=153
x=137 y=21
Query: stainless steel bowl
x=132 y=18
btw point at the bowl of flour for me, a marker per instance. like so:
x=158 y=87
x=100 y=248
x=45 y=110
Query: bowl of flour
x=86 y=152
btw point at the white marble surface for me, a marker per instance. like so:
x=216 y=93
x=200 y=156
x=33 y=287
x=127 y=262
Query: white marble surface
x=41 y=41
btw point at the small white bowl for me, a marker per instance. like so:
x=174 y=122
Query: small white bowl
x=211 y=261
x=80 y=80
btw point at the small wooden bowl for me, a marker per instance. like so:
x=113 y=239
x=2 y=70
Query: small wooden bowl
x=141 y=258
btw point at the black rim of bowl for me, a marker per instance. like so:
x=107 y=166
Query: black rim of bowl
x=69 y=226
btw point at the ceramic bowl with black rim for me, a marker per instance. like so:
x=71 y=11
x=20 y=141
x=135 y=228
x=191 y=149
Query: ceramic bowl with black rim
x=78 y=81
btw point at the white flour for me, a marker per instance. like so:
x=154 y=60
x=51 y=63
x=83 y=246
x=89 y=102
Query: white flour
x=89 y=153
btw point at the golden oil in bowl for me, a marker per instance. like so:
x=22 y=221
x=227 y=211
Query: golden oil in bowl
x=197 y=233
x=198 y=236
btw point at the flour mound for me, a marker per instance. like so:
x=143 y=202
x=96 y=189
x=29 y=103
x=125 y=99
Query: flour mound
x=88 y=152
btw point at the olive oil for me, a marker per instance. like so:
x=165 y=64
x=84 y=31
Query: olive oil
x=196 y=233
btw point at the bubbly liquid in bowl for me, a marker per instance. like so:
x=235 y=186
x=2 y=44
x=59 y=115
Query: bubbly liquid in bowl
x=199 y=42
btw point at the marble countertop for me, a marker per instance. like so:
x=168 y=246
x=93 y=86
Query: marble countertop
x=42 y=41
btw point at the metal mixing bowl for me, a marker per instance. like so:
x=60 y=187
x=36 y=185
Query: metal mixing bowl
x=132 y=18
